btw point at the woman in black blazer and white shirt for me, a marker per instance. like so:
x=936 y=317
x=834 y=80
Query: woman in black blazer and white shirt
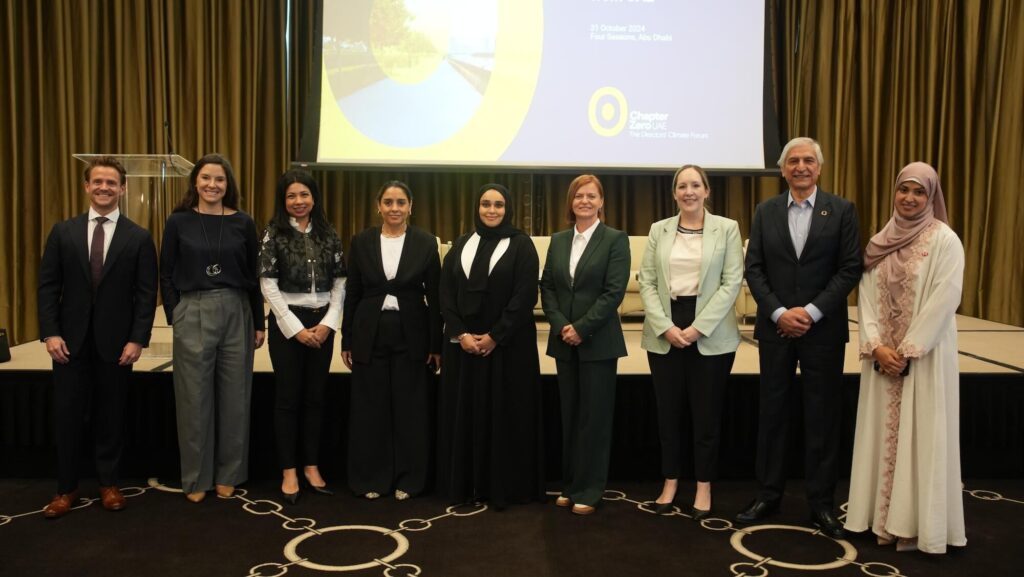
x=390 y=339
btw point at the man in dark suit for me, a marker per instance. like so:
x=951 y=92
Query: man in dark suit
x=97 y=297
x=803 y=259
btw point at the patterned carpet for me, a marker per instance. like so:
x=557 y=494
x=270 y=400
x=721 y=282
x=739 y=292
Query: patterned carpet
x=255 y=533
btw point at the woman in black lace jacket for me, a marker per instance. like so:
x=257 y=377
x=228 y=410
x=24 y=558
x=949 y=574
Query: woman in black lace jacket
x=302 y=276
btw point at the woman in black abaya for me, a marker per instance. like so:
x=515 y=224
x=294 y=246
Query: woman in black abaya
x=489 y=442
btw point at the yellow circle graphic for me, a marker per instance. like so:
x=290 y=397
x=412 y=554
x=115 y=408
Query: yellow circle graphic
x=495 y=122
x=608 y=111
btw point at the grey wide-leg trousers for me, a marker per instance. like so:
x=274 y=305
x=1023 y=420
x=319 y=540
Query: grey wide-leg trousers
x=214 y=343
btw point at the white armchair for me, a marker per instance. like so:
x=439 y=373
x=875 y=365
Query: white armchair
x=746 y=306
x=632 y=302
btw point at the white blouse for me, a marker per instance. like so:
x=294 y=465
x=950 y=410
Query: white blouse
x=390 y=255
x=684 y=265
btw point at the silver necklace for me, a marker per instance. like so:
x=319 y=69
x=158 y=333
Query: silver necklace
x=214 y=269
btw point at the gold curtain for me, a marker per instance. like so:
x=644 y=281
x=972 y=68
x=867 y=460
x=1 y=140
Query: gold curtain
x=879 y=84
x=104 y=76
x=883 y=84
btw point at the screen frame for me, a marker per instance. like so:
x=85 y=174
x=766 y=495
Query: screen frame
x=310 y=134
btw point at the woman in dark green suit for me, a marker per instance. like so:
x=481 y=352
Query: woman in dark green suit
x=584 y=280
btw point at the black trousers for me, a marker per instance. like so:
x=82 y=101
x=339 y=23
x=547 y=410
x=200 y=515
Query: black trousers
x=300 y=374
x=684 y=378
x=821 y=370
x=89 y=392
x=389 y=425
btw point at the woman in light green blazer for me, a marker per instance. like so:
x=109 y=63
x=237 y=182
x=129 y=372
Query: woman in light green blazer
x=689 y=280
x=583 y=282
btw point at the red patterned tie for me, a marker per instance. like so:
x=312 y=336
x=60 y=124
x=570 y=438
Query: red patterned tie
x=96 y=252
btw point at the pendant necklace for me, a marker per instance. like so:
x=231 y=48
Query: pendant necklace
x=213 y=269
x=387 y=235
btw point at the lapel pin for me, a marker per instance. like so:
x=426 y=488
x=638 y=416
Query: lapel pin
x=824 y=213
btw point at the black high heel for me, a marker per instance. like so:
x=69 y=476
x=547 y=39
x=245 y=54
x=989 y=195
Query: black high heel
x=664 y=508
x=324 y=489
x=699 y=514
x=290 y=498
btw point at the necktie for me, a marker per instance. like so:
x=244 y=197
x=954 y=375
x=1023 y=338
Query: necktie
x=96 y=252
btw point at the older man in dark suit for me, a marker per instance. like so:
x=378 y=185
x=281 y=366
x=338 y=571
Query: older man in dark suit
x=97 y=298
x=803 y=259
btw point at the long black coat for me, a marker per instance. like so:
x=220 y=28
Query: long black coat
x=489 y=414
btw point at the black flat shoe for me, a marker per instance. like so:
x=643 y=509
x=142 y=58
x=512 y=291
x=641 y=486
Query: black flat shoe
x=664 y=508
x=290 y=498
x=699 y=514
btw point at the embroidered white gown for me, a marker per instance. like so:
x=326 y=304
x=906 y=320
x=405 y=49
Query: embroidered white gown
x=905 y=480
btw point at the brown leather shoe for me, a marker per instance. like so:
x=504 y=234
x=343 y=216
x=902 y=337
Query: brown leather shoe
x=225 y=491
x=60 y=505
x=583 y=509
x=112 y=498
x=562 y=501
x=196 y=497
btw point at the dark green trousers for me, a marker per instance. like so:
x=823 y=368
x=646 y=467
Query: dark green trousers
x=587 y=392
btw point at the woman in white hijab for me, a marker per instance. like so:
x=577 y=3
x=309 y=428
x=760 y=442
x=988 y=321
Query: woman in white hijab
x=905 y=480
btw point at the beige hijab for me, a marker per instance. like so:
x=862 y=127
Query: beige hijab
x=899 y=233
x=892 y=248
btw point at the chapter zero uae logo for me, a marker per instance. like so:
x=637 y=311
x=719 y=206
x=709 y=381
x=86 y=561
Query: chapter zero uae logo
x=607 y=111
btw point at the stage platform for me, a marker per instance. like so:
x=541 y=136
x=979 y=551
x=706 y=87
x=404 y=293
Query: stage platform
x=992 y=409
x=985 y=347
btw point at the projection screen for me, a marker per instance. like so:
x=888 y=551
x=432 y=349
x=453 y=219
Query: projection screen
x=555 y=84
